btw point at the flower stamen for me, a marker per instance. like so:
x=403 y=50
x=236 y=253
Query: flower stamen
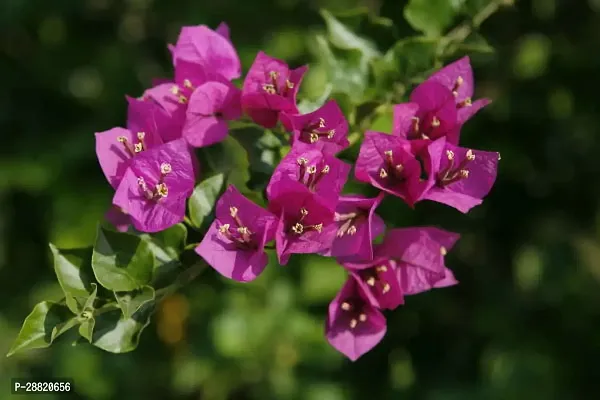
x=162 y=190
x=165 y=168
x=465 y=103
x=123 y=140
x=457 y=85
x=452 y=173
x=313 y=131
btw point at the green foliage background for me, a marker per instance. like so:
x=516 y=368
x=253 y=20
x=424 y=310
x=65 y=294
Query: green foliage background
x=523 y=324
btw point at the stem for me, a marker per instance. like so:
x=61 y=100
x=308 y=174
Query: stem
x=191 y=246
x=182 y=280
x=106 y=308
x=461 y=32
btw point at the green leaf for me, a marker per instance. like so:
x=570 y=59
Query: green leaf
x=204 y=198
x=131 y=302
x=121 y=262
x=230 y=158
x=407 y=62
x=475 y=43
x=307 y=106
x=383 y=122
x=262 y=146
x=115 y=333
x=86 y=329
x=431 y=17
x=87 y=316
x=89 y=303
x=167 y=245
x=342 y=37
x=46 y=322
x=347 y=70
x=75 y=276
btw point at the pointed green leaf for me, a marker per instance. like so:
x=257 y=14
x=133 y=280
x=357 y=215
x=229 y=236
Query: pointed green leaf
x=167 y=245
x=342 y=37
x=431 y=17
x=121 y=261
x=63 y=327
x=353 y=17
x=46 y=322
x=204 y=198
x=89 y=303
x=406 y=63
x=115 y=333
x=230 y=158
x=475 y=43
x=307 y=106
x=261 y=146
x=131 y=302
x=87 y=316
x=86 y=329
x=74 y=272
x=347 y=70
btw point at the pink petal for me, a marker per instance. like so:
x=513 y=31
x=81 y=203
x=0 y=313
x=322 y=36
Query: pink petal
x=112 y=155
x=147 y=216
x=353 y=342
x=448 y=76
x=403 y=114
x=205 y=124
x=208 y=48
x=465 y=113
x=229 y=261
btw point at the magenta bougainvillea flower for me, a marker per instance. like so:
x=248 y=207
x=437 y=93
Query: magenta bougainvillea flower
x=379 y=281
x=116 y=147
x=325 y=128
x=234 y=244
x=389 y=163
x=143 y=116
x=270 y=88
x=222 y=100
x=357 y=227
x=321 y=173
x=419 y=256
x=463 y=177
x=305 y=220
x=211 y=50
x=156 y=185
x=354 y=326
x=439 y=106
x=210 y=106
x=458 y=78
x=430 y=114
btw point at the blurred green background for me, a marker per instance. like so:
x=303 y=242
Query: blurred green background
x=523 y=324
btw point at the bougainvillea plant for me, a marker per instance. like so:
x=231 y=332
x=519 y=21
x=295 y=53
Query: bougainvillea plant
x=215 y=169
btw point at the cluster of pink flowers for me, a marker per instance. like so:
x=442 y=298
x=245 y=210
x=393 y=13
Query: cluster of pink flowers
x=152 y=168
